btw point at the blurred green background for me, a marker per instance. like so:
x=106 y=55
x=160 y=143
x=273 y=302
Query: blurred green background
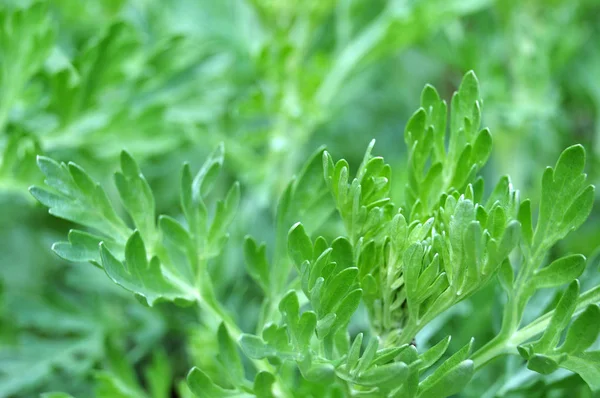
x=273 y=80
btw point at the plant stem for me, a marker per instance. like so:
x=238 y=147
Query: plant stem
x=507 y=344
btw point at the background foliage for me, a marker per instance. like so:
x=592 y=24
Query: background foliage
x=273 y=80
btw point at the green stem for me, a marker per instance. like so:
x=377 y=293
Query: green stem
x=536 y=327
x=507 y=343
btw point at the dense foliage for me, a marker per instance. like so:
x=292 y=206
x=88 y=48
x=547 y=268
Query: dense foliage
x=263 y=267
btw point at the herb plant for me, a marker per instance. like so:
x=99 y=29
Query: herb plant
x=406 y=262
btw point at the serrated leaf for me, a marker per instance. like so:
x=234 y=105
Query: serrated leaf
x=139 y=275
x=88 y=206
x=180 y=248
x=82 y=247
x=566 y=198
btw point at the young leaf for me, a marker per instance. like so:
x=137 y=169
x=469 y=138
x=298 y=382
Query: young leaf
x=559 y=272
x=587 y=365
x=391 y=375
x=449 y=383
x=136 y=195
x=75 y=197
x=229 y=356
x=566 y=197
x=263 y=384
x=450 y=377
x=432 y=355
x=203 y=387
x=583 y=332
x=255 y=347
x=560 y=319
x=139 y=275
x=299 y=245
x=257 y=263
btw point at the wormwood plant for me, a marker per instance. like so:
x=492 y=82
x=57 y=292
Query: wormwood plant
x=404 y=265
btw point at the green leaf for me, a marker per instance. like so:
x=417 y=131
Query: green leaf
x=387 y=355
x=139 y=275
x=354 y=353
x=193 y=208
x=136 y=195
x=320 y=373
x=346 y=308
x=337 y=287
x=110 y=386
x=391 y=375
x=263 y=385
x=203 y=387
x=207 y=175
x=367 y=357
x=432 y=355
x=229 y=356
x=449 y=383
x=451 y=376
x=566 y=198
x=325 y=324
x=299 y=245
x=75 y=197
x=224 y=215
x=159 y=375
x=306 y=328
x=560 y=319
x=257 y=263
x=255 y=347
x=586 y=365
x=413 y=258
x=559 y=272
x=583 y=332
x=180 y=248
x=317 y=268
x=82 y=247
x=524 y=217
x=310 y=198
x=542 y=364
x=506 y=275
